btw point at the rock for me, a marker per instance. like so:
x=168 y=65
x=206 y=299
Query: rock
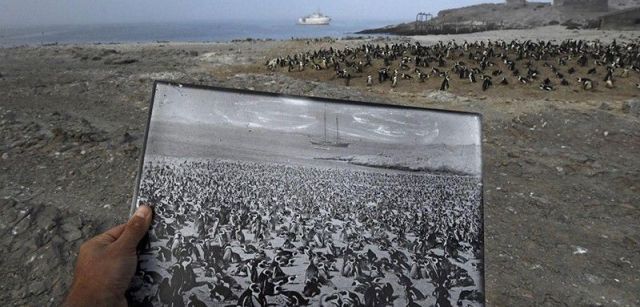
x=125 y=61
x=605 y=106
x=441 y=96
x=193 y=53
x=71 y=232
x=126 y=138
x=5 y=156
x=36 y=287
x=632 y=106
x=597 y=280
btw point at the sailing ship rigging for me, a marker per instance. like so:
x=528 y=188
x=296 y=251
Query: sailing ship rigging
x=327 y=142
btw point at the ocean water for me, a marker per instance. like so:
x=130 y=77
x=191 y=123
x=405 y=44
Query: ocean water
x=182 y=32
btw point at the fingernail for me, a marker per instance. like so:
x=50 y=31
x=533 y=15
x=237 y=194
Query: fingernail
x=143 y=211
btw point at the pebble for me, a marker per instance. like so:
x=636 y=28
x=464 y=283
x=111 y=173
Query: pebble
x=594 y=279
x=36 y=288
x=632 y=106
x=580 y=250
x=71 y=232
x=5 y=156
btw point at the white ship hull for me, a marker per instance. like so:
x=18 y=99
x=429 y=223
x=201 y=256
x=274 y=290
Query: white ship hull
x=314 y=21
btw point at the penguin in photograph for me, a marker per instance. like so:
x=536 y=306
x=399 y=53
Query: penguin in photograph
x=311 y=272
x=194 y=301
x=369 y=80
x=294 y=298
x=504 y=81
x=394 y=81
x=311 y=288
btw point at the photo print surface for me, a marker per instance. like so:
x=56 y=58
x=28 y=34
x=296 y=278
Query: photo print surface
x=290 y=201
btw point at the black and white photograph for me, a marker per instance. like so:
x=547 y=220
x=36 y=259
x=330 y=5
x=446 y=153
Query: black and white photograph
x=264 y=199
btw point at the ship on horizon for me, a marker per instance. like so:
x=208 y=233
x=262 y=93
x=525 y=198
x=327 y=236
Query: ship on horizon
x=315 y=19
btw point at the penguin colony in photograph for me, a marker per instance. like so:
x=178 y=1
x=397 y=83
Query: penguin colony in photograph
x=240 y=233
x=574 y=64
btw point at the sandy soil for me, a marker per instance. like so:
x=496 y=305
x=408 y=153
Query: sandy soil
x=562 y=177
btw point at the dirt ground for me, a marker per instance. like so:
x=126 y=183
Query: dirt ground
x=561 y=169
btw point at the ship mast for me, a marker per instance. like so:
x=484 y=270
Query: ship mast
x=325 y=123
x=337 y=131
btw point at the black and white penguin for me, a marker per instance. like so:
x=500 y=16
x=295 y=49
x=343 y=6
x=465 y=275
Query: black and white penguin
x=194 y=301
x=523 y=80
x=587 y=84
x=445 y=84
x=394 y=81
x=486 y=83
x=311 y=288
x=294 y=298
x=504 y=81
x=546 y=87
x=369 y=80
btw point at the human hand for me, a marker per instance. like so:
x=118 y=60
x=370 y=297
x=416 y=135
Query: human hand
x=107 y=262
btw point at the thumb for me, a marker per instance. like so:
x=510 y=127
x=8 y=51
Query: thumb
x=135 y=229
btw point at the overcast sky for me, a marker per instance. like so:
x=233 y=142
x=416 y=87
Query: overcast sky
x=46 y=12
x=284 y=115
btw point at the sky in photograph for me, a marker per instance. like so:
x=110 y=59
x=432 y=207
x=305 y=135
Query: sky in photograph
x=57 y=12
x=302 y=116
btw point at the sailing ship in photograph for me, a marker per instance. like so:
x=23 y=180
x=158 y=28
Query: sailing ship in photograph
x=325 y=141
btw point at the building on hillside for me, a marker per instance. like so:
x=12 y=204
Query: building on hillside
x=516 y=3
x=621 y=20
x=583 y=5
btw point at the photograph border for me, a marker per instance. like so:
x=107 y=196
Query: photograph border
x=319 y=99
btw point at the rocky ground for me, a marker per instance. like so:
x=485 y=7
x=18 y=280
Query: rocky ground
x=561 y=172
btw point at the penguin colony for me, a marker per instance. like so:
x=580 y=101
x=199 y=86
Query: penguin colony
x=239 y=233
x=577 y=64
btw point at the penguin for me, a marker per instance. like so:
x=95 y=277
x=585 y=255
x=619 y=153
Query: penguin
x=486 y=83
x=472 y=77
x=194 y=301
x=371 y=296
x=546 y=87
x=369 y=80
x=587 y=84
x=504 y=81
x=165 y=291
x=523 y=80
x=249 y=249
x=240 y=236
x=445 y=84
x=311 y=272
x=311 y=288
x=294 y=298
x=564 y=82
x=394 y=82
x=608 y=83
